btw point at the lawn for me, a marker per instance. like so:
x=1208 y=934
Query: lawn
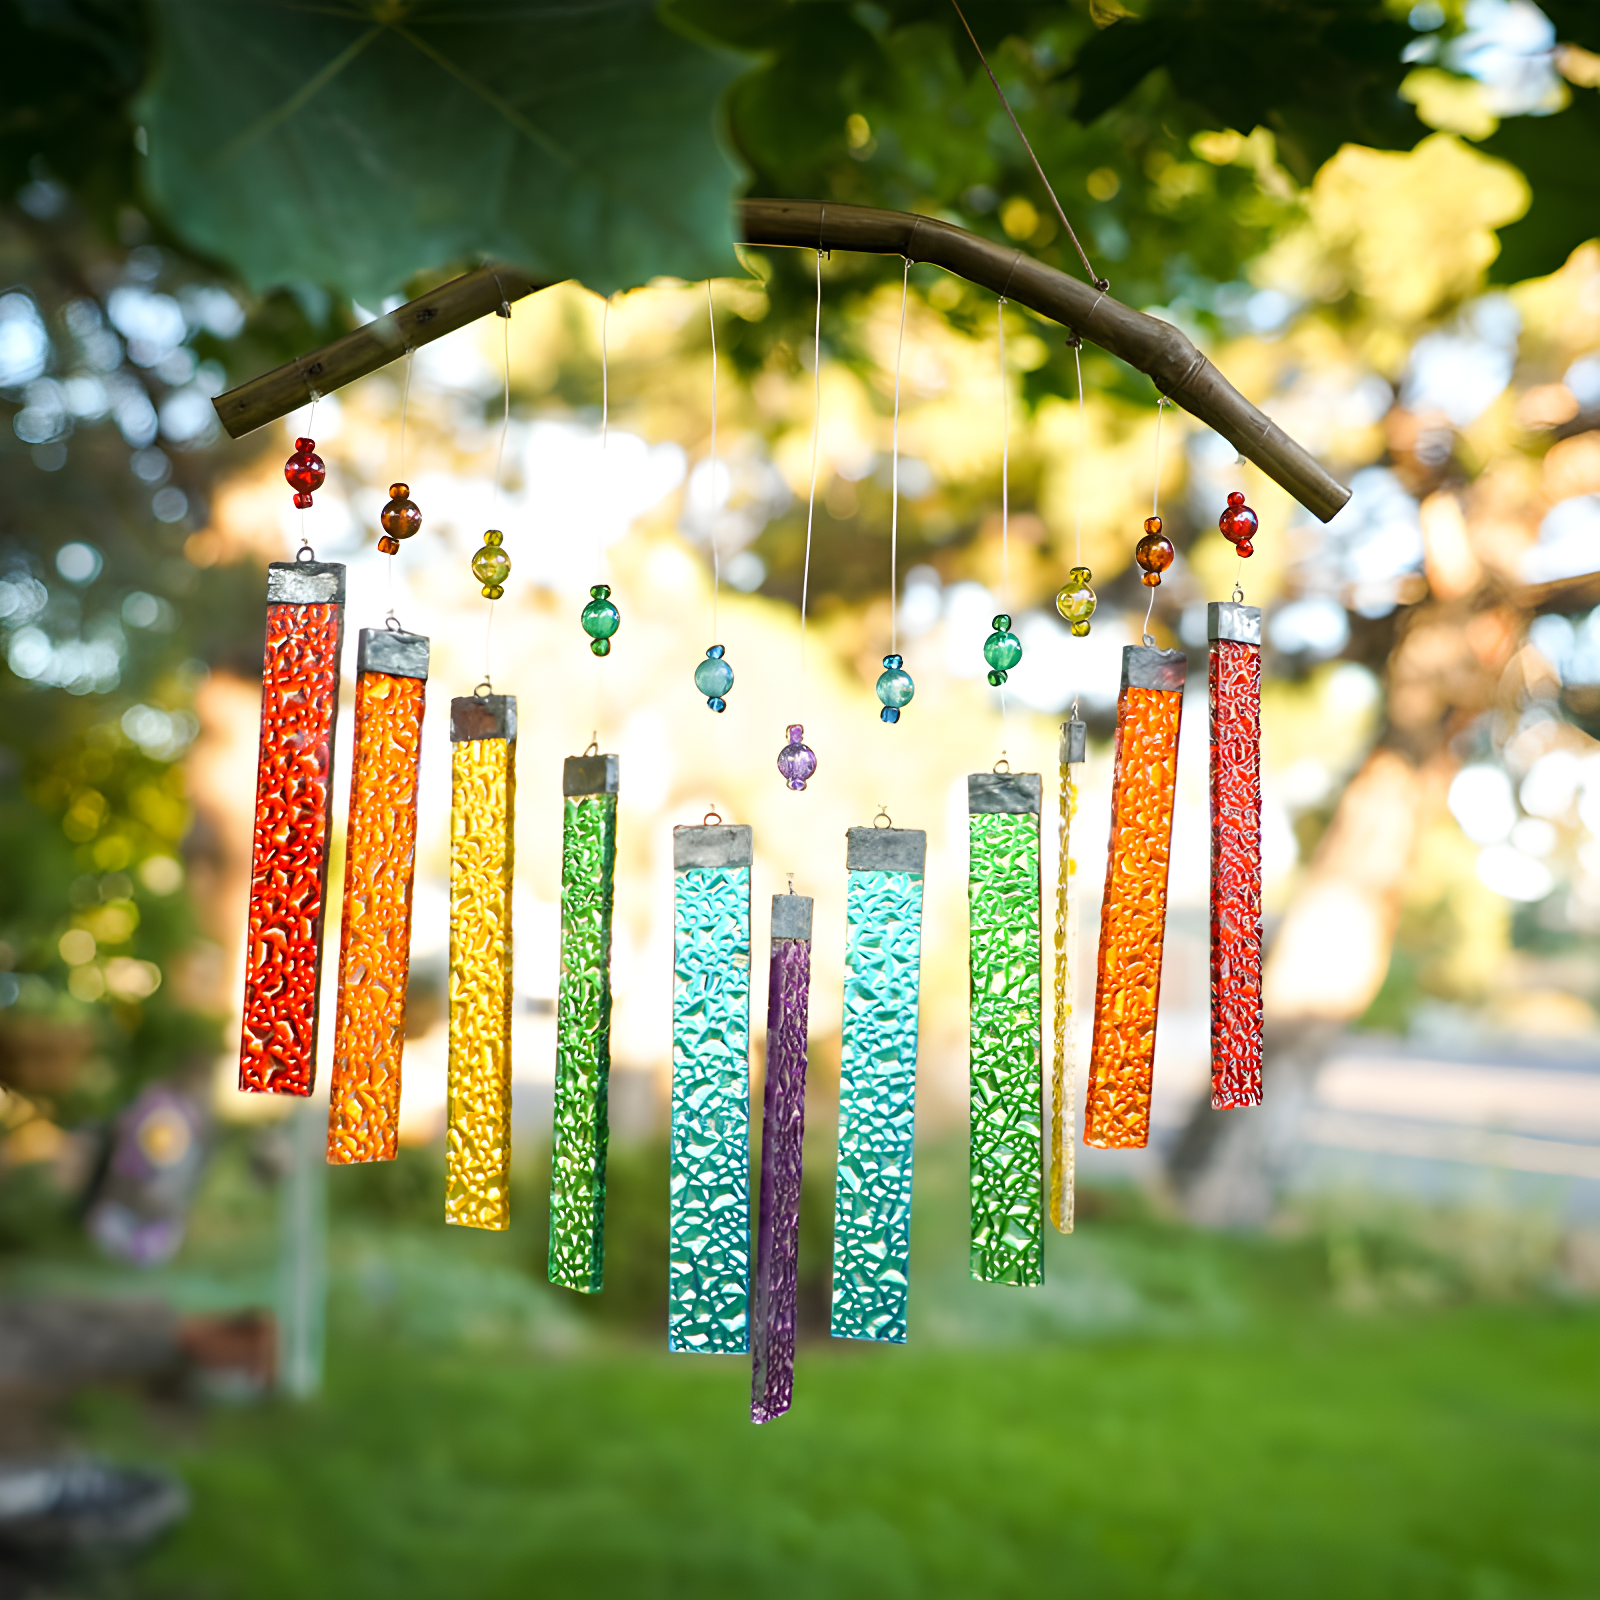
x=1180 y=1414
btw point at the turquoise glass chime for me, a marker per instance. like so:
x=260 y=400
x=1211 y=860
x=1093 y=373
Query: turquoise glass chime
x=708 y=1272
x=877 y=1082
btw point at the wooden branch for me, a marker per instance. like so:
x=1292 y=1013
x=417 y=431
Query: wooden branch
x=1579 y=593
x=440 y=311
x=1146 y=343
x=1152 y=346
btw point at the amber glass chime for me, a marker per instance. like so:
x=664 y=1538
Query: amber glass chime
x=380 y=861
x=483 y=748
x=294 y=799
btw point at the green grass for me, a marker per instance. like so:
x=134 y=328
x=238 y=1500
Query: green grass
x=1447 y=1454
x=1176 y=1414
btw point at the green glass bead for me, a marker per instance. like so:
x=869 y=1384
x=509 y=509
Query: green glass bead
x=1076 y=600
x=997 y=677
x=1002 y=650
x=600 y=618
x=601 y=647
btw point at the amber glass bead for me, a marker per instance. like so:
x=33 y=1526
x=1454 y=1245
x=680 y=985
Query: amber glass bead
x=1076 y=601
x=491 y=566
x=400 y=518
x=1154 y=553
x=388 y=546
x=304 y=471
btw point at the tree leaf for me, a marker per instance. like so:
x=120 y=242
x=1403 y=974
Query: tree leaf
x=1319 y=75
x=356 y=145
x=1560 y=158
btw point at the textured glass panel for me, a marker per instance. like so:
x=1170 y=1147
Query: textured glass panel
x=375 y=936
x=289 y=855
x=583 y=1044
x=1007 y=1183
x=709 y=1228
x=1235 y=874
x=1133 y=919
x=877 y=1106
x=783 y=1129
x=1064 y=1073
x=478 y=1141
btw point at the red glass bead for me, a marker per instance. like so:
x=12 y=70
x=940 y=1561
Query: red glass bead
x=1238 y=523
x=1154 y=553
x=400 y=517
x=1245 y=548
x=304 y=471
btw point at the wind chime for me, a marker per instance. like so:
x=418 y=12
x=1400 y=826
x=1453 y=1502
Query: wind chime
x=1017 y=1170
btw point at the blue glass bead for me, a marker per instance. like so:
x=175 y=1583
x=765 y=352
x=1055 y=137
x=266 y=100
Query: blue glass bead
x=895 y=687
x=713 y=677
x=600 y=618
x=890 y=714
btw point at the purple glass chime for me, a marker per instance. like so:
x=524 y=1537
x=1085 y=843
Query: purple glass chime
x=783 y=1127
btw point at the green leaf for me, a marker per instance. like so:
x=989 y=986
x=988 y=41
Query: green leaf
x=1560 y=158
x=356 y=145
x=1319 y=75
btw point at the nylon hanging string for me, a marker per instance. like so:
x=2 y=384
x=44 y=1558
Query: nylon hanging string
x=1083 y=455
x=811 y=499
x=405 y=398
x=499 y=463
x=716 y=559
x=1155 y=506
x=1102 y=284
x=605 y=439
x=894 y=475
x=1005 y=487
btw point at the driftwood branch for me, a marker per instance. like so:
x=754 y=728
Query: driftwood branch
x=1154 y=347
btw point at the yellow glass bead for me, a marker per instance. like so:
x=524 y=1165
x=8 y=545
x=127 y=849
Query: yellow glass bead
x=491 y=566
x=1076 y=601
x=492 y=591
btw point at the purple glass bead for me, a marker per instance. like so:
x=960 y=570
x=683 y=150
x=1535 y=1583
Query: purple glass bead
x=797 y=760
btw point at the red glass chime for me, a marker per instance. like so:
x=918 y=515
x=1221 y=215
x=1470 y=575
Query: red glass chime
x=294 y=799
x=1234 y=630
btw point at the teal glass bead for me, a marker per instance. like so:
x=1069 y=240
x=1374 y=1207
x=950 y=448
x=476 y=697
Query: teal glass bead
x=895 y=688
x=600 y=618
x=713 y=677
x=1002 y=649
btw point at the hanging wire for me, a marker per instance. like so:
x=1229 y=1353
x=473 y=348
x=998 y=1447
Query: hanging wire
x=1083 y=454
x=1102 y=284
x=1155 y=507
x=405 y=397
x=499 y=462
x=311 y=417
x=716 y=560
x=894 y=475
x=605 y=440
x=811 y=499
x=1005 y=492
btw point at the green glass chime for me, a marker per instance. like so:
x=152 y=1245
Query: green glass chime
x=1007 y=1179
x=583 y=1024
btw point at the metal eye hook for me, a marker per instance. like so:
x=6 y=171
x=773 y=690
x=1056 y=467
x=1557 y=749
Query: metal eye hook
x=711 y=818
x=593 y=746
x=1001 y=763
x=485 y=688
x=305 y=552
x=888 y=821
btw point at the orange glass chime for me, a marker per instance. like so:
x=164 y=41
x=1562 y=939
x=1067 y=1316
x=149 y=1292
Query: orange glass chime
x=1133 y=915
x=380 y=862
x=294 y=799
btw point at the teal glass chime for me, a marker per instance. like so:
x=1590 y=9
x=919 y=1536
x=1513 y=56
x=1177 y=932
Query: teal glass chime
x=877 y=1082
x=708 y=1287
